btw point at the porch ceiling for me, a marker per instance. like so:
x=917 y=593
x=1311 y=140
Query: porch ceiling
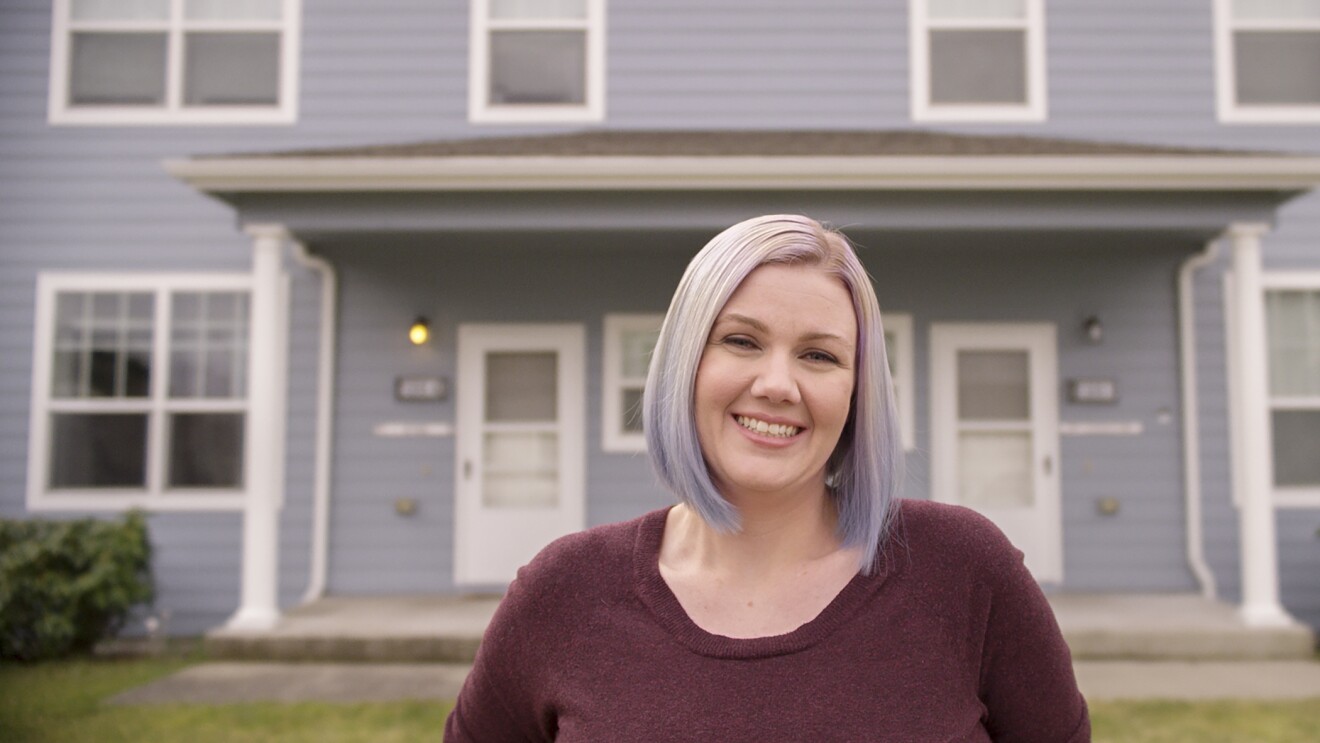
x=888 y=181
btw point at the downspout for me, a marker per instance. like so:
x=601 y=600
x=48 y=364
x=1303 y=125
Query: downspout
x=325 y=387
x=1191 y=419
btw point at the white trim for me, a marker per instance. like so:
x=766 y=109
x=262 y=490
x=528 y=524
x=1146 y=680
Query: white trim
x=904 y=374
x=989 y=172
x=1229 y=110
x=481 y=111
x=174 y=112
x=154 y=496
x=1304 y=281
x=612 y=436
x=489 y=544
x=1040 y=531
x=1033 y=28
x=1297 y=497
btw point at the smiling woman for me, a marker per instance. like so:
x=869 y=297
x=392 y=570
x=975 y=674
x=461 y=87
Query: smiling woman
x=788 y=595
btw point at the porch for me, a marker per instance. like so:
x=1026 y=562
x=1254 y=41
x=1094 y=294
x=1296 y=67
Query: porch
x=448 y=629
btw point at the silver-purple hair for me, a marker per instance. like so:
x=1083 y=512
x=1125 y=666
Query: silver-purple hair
x=865 y=470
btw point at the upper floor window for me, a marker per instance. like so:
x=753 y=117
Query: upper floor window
x=1268 y=60
x=139 y=392
x=1292 y=308
x=174 y=61
x=978 y=60
x=537 y=61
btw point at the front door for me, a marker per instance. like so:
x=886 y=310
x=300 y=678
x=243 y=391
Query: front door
x=520 y=446
x=994 y=432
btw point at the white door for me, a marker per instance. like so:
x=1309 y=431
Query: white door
x=520 y=446
x=995 y=432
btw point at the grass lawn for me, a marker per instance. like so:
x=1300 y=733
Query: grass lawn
x=63 y=702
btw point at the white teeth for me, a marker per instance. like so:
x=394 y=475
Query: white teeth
x=769 y=429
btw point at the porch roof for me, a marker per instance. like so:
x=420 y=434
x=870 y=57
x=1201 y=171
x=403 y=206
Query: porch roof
x=702 y=180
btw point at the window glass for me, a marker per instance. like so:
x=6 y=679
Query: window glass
x=993 y=385
x=1276 y=9
x=117 y=69
x=232 y=69
x=119 y=10
x=102 y=345
x=208 y=345
x=98 y=450
x=1296 y=442
x=521 y=386
x=632 y=409
x=1294 y=342
x=1278 y=67
x=232 y=10
x=538 y=8
x=206 y=450
x=978 y=66
x=637 y=348
x=538 y=67
x=977 y=8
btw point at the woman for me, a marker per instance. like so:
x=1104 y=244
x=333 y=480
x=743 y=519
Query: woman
x=789 y=595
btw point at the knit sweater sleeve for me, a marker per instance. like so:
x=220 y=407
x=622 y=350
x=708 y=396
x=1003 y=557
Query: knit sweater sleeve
x=1027 y=680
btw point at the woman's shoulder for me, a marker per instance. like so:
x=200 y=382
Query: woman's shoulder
x=957 y=532
x=595 y=558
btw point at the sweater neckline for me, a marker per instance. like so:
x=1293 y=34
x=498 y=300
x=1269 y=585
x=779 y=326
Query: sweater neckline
x=655 y=593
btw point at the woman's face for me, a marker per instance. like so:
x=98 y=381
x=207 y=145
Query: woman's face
x=775 y=381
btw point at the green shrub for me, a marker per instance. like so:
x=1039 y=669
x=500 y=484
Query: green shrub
x=64 y=585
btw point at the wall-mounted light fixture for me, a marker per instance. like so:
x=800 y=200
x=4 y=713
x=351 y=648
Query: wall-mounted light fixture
x=1093 y=329
x=420 y=331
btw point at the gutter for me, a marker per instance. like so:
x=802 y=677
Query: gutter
x=985 y=172
x=325 y=385
x=1191 y=420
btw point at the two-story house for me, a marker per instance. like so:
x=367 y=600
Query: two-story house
x=356 y=298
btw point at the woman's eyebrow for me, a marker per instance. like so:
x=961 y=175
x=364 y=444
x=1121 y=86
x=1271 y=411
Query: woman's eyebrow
x=760 y=326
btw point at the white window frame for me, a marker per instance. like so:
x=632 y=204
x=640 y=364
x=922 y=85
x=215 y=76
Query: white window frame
x=613 y=437
x=1230 y=112
x=904 y=373
x=920 y=25
x=481 y=111
x=155 y=496
x=1304 y=496
x=174 y=111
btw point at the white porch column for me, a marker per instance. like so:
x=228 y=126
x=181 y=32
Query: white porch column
x=259 y=609
x=1254 y=457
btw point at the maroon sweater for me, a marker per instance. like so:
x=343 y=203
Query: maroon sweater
x=950 y=640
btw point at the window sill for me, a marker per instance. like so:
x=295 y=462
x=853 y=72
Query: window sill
x=123 y=501
x=536 y=115
x=1302 y=497
x=1269 y=115
x=128 y=116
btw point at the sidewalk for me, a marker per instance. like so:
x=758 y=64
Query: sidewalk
x=236 y=682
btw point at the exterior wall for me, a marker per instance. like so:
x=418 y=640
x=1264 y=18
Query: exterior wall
x=95 y=198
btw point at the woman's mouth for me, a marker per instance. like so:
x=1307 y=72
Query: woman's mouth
x=774 y=430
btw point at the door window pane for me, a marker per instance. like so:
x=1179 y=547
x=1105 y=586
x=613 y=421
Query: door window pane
x=231 y=69
x=206 y=450
x=994 y=470
x=1276 y=9
x=993 y=385
x=521 y=470
x=120 y=10
x=978 y=9
x=538 y=67
x=1278 y=67
x=234 y=10
x=117 y=69
x=521 y=386
x=975 y=67
x=528 y=9
x=98 y=450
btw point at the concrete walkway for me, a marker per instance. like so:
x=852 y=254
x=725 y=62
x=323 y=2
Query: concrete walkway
x=237 y=682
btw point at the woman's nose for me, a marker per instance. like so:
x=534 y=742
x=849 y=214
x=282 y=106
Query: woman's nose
x=775 y=381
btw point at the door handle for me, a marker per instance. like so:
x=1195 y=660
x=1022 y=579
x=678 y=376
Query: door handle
x=467 y=469
x=1048 y=464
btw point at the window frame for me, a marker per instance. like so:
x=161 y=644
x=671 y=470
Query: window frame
x=1307 y=281
x=174 y=112
x=923 y=109
x=613 y=437
x=1229 y=110
x=482 y=111
x=156 y=495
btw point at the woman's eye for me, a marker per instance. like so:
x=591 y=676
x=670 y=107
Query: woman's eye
x=821 y=356
x=739 y=341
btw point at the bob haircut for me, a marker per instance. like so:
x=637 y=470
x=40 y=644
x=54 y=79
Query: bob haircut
x=865 y=470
